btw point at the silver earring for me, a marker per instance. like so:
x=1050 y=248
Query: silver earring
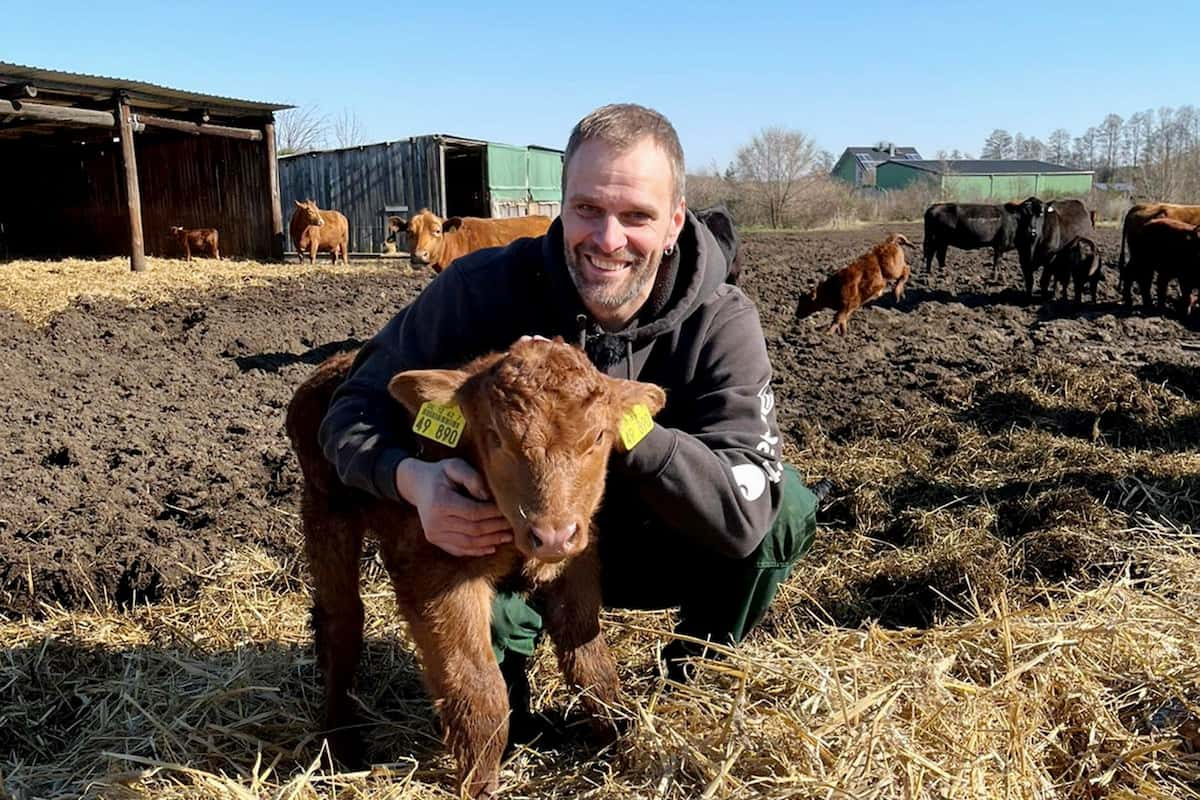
x=669 y=249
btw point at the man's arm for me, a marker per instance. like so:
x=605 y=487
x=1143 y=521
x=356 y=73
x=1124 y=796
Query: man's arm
x=719 y=480
x=365 y=431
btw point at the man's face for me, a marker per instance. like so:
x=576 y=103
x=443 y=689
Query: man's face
x=618 y=214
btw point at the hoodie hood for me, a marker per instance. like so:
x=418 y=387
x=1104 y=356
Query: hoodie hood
x=685 y=280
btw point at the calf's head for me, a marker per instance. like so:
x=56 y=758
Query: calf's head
x=809 y=302
x=309 y=212
x=541 y=422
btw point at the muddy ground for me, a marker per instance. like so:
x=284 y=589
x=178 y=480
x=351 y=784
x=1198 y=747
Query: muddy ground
x=139 y=444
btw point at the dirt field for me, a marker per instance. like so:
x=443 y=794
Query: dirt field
x=142 y=442
x=1001 y=604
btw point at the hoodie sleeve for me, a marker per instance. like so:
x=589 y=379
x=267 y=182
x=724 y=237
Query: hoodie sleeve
x=365 y=431
x=717 y=476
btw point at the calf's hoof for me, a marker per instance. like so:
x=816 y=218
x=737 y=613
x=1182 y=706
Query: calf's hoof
x=348 y=748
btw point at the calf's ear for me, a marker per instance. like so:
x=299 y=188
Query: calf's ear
x=451 y=224
x=416 y=387
x=627 y=394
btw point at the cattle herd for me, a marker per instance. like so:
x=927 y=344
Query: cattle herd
x=1056 y=236
x=1160 y=243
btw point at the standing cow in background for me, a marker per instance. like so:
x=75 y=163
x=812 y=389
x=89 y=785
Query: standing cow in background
x=314 y=230
x=1135 y=220
x=438 y=242
x=720 y=223
x=1045 y=229
x=1169 y=248
x=970 y=226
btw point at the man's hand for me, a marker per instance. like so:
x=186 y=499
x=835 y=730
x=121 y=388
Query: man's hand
x=456 y=512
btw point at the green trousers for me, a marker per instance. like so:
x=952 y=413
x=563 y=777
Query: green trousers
x=719 y=598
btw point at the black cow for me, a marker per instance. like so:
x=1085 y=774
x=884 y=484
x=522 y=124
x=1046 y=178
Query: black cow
x=718 y=220
x=1078 y=260
x=1046 y=228
x=970 y=226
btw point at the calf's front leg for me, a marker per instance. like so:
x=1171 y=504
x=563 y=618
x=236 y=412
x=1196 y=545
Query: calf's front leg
x=453 y=634
x=572 y=618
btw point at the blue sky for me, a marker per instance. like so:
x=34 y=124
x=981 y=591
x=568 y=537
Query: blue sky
x=941 y=76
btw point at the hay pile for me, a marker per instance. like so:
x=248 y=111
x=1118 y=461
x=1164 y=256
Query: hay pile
x=1005 y=605
x=36 y=290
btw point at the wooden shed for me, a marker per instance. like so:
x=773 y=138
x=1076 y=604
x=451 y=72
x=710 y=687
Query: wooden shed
x=97 y=166
x=449 y=175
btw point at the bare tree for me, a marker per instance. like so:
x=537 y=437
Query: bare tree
x=300 y=129
x=1059 y=146
x=998 y=145
x=348 y=130
x=774 y=165
x=1110 y=139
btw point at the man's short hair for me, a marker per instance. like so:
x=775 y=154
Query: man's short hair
x=623 y=125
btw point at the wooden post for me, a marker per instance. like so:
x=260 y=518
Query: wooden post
x=277 y=241
x=133 y=196
x=196 y=128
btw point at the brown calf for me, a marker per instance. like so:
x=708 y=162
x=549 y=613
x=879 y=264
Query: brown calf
x=202 y=240
x=540 y=424
x=862 y=281
x=314 y=230
x=439 y=242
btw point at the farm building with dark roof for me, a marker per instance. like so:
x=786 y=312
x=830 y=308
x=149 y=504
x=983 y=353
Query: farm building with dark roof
x=856 y=166
x=985 y=180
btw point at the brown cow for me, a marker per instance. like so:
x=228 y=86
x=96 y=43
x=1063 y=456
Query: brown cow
x=862 y=281
x=1169 y=248
x=202 y=240
x=439 y=242
x=1131 y=229
x=314 y=230
x=540 y=422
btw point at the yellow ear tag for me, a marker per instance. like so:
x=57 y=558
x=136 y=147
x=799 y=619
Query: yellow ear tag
x=635 y=424
x=443 y=424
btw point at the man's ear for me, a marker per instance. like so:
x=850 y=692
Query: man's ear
x=416 y=387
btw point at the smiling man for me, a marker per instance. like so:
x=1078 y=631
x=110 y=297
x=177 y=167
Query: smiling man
x=700 y=514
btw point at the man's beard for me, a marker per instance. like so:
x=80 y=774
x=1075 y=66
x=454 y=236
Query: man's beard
x=641 y=272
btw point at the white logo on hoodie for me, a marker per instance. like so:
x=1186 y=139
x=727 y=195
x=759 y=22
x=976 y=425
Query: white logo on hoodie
x=752 y=479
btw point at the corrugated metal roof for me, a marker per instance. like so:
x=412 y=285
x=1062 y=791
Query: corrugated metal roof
x=875 y=151
x=445 y=137
x=60 y=82
x=989 y=167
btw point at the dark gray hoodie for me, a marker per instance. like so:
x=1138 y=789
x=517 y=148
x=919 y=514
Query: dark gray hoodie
x=709 y=470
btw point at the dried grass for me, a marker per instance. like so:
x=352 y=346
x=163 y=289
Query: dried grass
x=1004 y=606
x=37 y=290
